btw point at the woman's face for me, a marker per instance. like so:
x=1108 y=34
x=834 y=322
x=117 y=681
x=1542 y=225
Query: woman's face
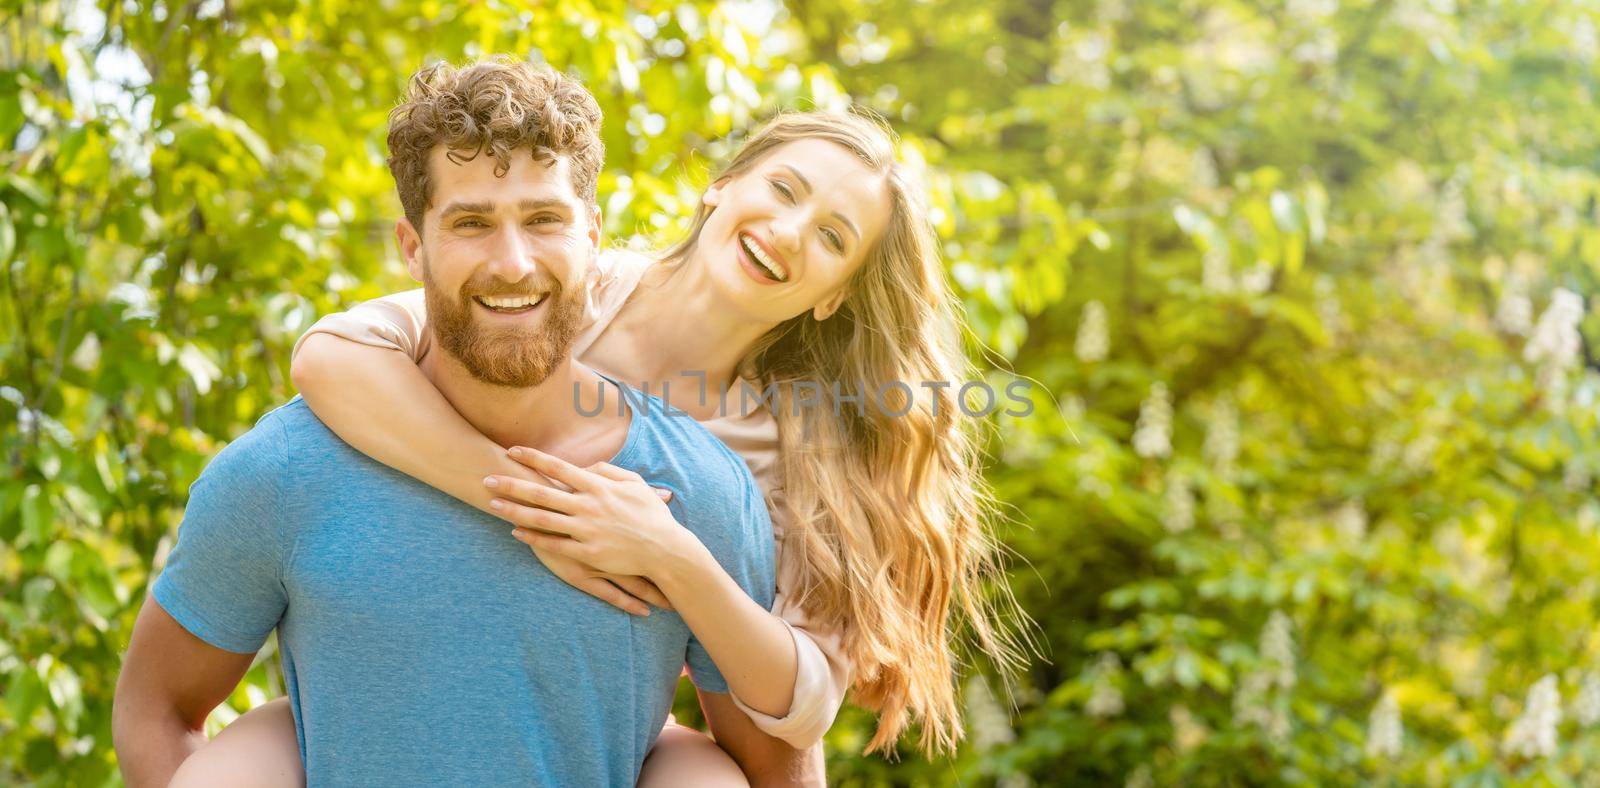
x=784 y=237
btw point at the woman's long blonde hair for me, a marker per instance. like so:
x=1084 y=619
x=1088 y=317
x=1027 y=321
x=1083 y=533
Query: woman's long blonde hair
x=890 y=515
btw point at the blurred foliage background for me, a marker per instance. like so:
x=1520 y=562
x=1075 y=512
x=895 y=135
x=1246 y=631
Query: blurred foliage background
x=1309 y=284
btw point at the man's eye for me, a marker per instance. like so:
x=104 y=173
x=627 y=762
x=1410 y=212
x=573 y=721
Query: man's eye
x=469 y=223
x=545 y=219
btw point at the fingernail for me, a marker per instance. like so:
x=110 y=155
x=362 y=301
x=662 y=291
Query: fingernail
x=490 y=481
x=497 y=504
x=515 y=452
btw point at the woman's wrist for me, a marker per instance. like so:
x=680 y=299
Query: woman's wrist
x=684 y=568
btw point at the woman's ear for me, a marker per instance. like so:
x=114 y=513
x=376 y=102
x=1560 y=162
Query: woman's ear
x=831 y=304
x=713 y=193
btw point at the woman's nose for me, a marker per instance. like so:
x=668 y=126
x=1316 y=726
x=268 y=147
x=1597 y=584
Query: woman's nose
x=786 y=233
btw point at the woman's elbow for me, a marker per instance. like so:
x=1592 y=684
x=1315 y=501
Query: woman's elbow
x=313 y=362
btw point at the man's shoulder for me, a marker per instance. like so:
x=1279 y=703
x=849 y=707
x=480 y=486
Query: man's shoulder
x=268 y=448
x=680 y=432
x=674 y=443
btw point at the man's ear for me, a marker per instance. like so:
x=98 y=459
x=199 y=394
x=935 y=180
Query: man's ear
x=831 y=304
x=594 y=226
x=410 y=247
x=713 y=193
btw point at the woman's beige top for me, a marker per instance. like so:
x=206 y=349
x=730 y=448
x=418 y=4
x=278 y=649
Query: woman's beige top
x=399 y=322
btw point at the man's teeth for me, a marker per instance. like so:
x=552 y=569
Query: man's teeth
x=518 y=302
x=762 y=258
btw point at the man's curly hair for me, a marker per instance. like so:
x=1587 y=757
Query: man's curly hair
x=499 y=106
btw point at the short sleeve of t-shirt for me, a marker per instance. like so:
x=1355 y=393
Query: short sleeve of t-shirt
x=223 y=580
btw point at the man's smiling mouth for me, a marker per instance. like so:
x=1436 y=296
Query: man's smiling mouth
x=510 y=304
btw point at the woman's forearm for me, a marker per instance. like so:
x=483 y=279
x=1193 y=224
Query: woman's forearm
x=752 y=648
x=368 y=395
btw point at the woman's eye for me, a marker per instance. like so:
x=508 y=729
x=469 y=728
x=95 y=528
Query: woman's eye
x=783 y=189
x=834 y=240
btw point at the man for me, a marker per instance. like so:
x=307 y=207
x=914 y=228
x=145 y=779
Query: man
x=421 y=642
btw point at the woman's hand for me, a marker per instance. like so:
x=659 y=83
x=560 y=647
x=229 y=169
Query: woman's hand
x=606 y=518
x=631 y=594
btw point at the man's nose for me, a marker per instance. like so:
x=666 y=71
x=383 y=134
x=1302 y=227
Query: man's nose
x=510 y=255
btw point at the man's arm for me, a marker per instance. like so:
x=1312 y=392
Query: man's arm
x=170 y=682
x=765 y=760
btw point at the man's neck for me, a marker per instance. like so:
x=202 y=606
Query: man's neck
x=535 y=416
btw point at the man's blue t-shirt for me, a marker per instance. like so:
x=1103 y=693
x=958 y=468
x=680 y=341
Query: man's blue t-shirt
x=422 y=644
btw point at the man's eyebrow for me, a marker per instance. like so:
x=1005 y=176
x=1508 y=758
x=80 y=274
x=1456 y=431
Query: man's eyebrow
x=488 y=207
x=807 y=185
x=542 y=202
x=467 y=207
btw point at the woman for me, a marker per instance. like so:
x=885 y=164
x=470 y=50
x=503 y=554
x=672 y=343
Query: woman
x=810 y=260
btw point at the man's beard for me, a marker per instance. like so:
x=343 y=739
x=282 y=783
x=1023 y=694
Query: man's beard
x=516 y=357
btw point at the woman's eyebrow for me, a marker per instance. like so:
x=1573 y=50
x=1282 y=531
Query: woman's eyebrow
x=805 y=184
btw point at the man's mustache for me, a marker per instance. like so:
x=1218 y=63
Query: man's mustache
x=499 y=288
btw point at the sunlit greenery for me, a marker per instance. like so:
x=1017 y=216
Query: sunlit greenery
x=1305 y=288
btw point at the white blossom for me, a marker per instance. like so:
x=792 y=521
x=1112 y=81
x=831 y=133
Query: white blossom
x=1178 y=516
x=1105 y=699
x=1216 y=273
x=1575 y=475
x=1255 y=704
x=1257 y=279
x=1312 y=10
x=1384 y=731
x=1277 y=648
x=87 y=356
x=1321 y=50
x=1453 y=224
x=1187 y=730
x=1262 y=700
x=1204 y=169
x=1588 y=517
x=1586 y=706
x=1140 y=778
x=1088 y=468
x=1329 y=311
x=1222 y=436
x=1152 y=435
x=1514 y=313
x=1419 y=453
x=1533 y=735
x=1585 y=42
x=990 y=724
x=1555 y=338
x=1093 y=343
x=1250 y=699
x=1351 y=521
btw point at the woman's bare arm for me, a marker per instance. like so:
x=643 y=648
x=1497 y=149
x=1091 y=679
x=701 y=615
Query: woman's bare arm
x=378 y=401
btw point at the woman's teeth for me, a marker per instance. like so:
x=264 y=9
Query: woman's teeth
x=517 y=302
x=761 y=257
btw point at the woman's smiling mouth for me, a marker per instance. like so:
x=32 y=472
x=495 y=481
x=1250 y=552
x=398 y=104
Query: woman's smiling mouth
x=766 y=262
